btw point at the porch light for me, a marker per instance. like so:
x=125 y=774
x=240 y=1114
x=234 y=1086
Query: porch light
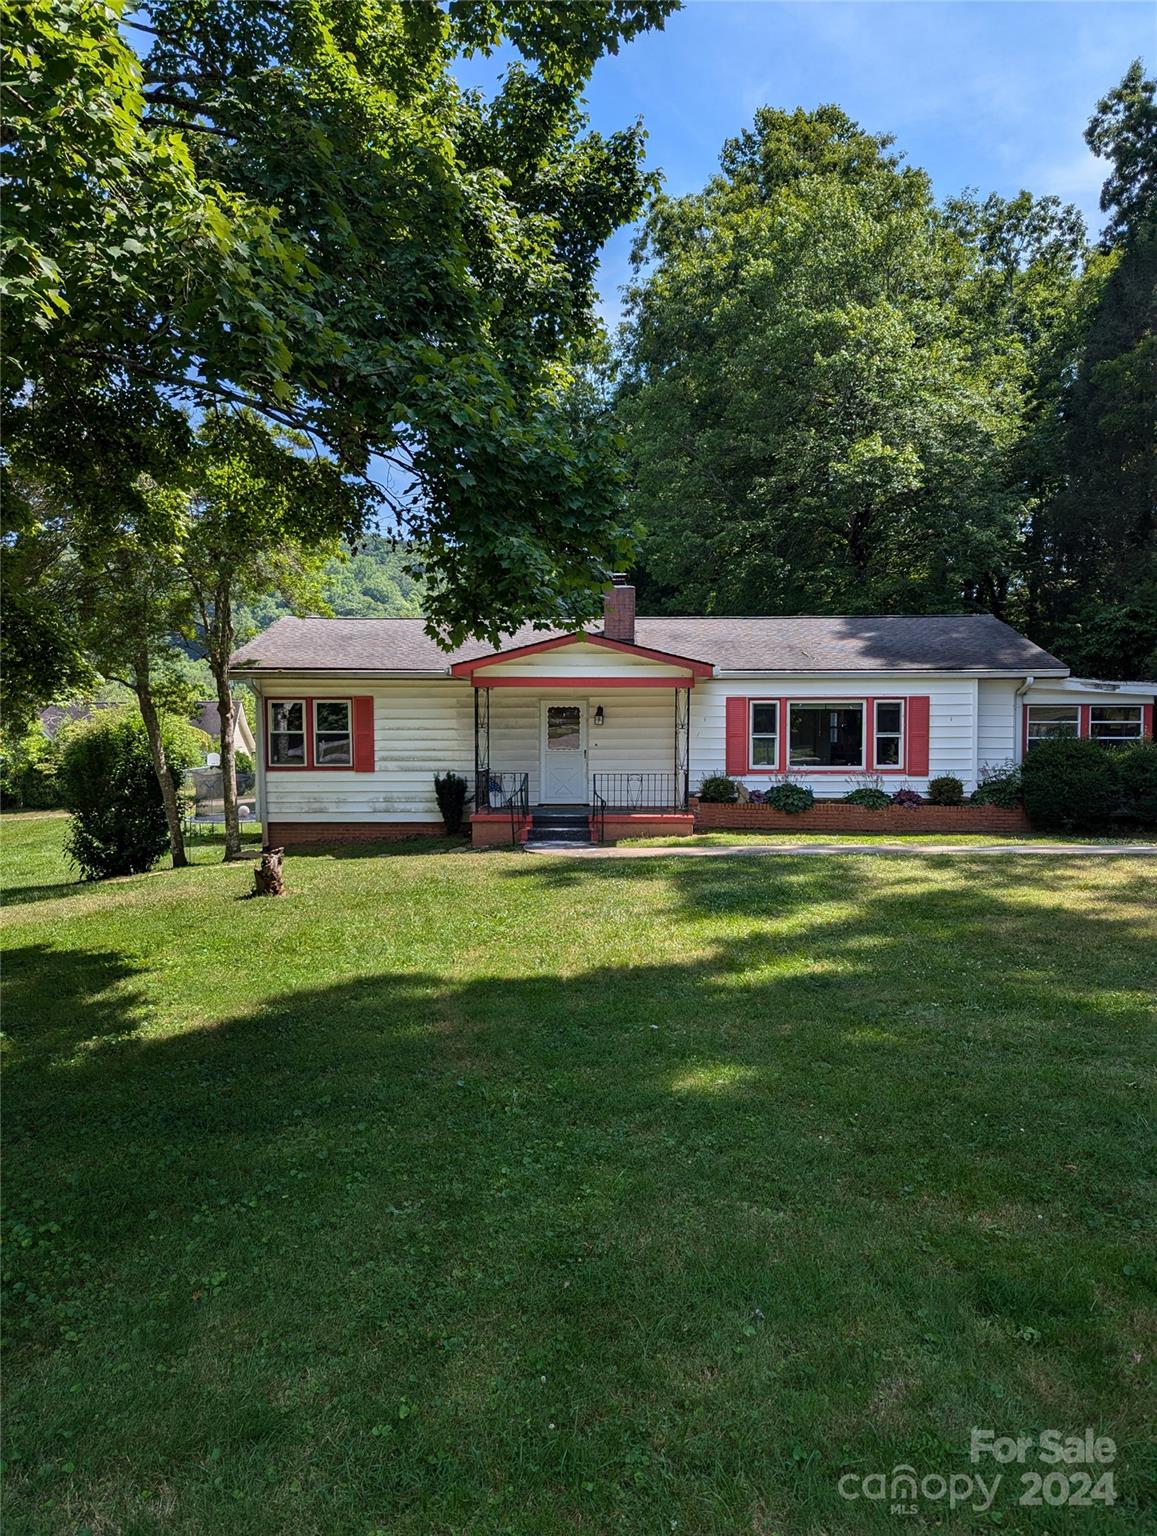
x=599 y=716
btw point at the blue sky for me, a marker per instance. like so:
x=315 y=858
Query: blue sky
x=990 y=95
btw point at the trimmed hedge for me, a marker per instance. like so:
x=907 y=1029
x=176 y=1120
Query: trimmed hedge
x=452 y=792
x=1070 y=785
x=718 y=789
x=946 y=790
x=1137 y=774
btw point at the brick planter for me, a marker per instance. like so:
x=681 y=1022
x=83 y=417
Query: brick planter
x=834 y=816
x=620 y=824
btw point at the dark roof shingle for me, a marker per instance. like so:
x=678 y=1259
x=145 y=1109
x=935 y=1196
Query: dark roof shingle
x=973 y=642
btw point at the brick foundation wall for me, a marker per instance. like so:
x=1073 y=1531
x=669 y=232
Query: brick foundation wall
x=639 y=824
x=491 y=829
x=835 y=817
x=301 y=834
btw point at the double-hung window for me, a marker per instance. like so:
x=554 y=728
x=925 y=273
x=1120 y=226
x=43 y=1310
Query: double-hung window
x=889 y=739
x=1048 y=721
x=287 y=733
x=332 y=735
x=764 y=734
x=1116 y=724
x=826 y=735
x=311 y=733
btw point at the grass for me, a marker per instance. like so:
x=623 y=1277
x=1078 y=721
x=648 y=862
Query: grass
x=457 y=1194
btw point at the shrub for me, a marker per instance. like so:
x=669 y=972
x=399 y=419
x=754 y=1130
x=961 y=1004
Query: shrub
x=755 y=797
x=1000 y=784
x=870 y=798
x=1070 y=784
x=107 y=781
x=28 y=769
x=909 y=797
x=718 y=789
x=789 y=797
x=946 y=790
x=1137 y=772
x=451 y=790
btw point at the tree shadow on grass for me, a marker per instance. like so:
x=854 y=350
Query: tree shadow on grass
x=679 y=1240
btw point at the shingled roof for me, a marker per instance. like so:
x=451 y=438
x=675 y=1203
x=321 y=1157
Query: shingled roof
x=972 y=642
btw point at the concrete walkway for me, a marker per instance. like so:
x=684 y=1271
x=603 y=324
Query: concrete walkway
x=821 y=850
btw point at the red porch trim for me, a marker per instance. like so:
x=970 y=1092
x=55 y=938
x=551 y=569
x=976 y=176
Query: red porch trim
x=516 y=653
x=589 y=683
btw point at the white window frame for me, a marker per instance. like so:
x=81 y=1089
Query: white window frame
x=271 y=705
x=348 y=733
x=812 y=704
x=1114 y=741
x=899 y=737
x=1030 y=740
x=753 y=735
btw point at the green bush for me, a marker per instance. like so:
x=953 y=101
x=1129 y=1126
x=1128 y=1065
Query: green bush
x=451 y=790
x=1070 y=785
x=870 y=799
x=946 y=790
x=718 y=789
x=28 y=771
x=107 y=781
x=1000 y=784
x=791 y=798
x=1137 y=773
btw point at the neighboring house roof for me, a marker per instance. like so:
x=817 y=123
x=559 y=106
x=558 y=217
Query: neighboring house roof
x=974 y=642
x=207 y=718
x=54 y=717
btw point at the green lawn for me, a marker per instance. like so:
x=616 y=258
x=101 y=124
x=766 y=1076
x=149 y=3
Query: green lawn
x=485 y=1194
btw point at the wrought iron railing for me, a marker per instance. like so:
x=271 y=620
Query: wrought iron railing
x=495 y=791
x=640 y=791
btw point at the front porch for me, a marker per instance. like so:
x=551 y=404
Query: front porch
x=620 y=805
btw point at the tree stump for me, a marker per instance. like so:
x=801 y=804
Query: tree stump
x=268 y=877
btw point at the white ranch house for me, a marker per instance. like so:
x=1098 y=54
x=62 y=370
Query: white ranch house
x=624 y=721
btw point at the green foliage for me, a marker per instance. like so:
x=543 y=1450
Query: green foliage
x=296 y=209
x=108 y=783
x=946 y=789
x=1070 y=785
x=870 y=799
x=817 y=424
x=791 y=798
x=453 y=793
x=29 y=761
x=718 y=789
x=999 y=784
x=1137 y=774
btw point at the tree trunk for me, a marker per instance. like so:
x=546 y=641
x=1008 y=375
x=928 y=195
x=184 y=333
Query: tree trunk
x=227 y=707
x=144 y=692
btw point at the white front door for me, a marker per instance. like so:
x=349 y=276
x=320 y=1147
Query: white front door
x=564 y=754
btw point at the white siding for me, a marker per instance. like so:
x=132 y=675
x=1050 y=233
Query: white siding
x=952 y=722
x=637 y=736
x=420 y=728
x=997 y=731
x=582 y=661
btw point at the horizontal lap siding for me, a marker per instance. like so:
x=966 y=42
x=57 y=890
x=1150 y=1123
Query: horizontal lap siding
x=581 y=661
x=952 y=722
x=638 y=734
x=997 y=706
x=420 y=729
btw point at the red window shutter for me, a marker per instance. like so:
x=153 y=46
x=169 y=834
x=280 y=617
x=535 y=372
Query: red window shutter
x=737 y=713
x=364 y=735
x=1147 y=721
x=918 y=735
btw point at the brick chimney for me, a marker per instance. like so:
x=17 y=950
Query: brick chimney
x=619 y=610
